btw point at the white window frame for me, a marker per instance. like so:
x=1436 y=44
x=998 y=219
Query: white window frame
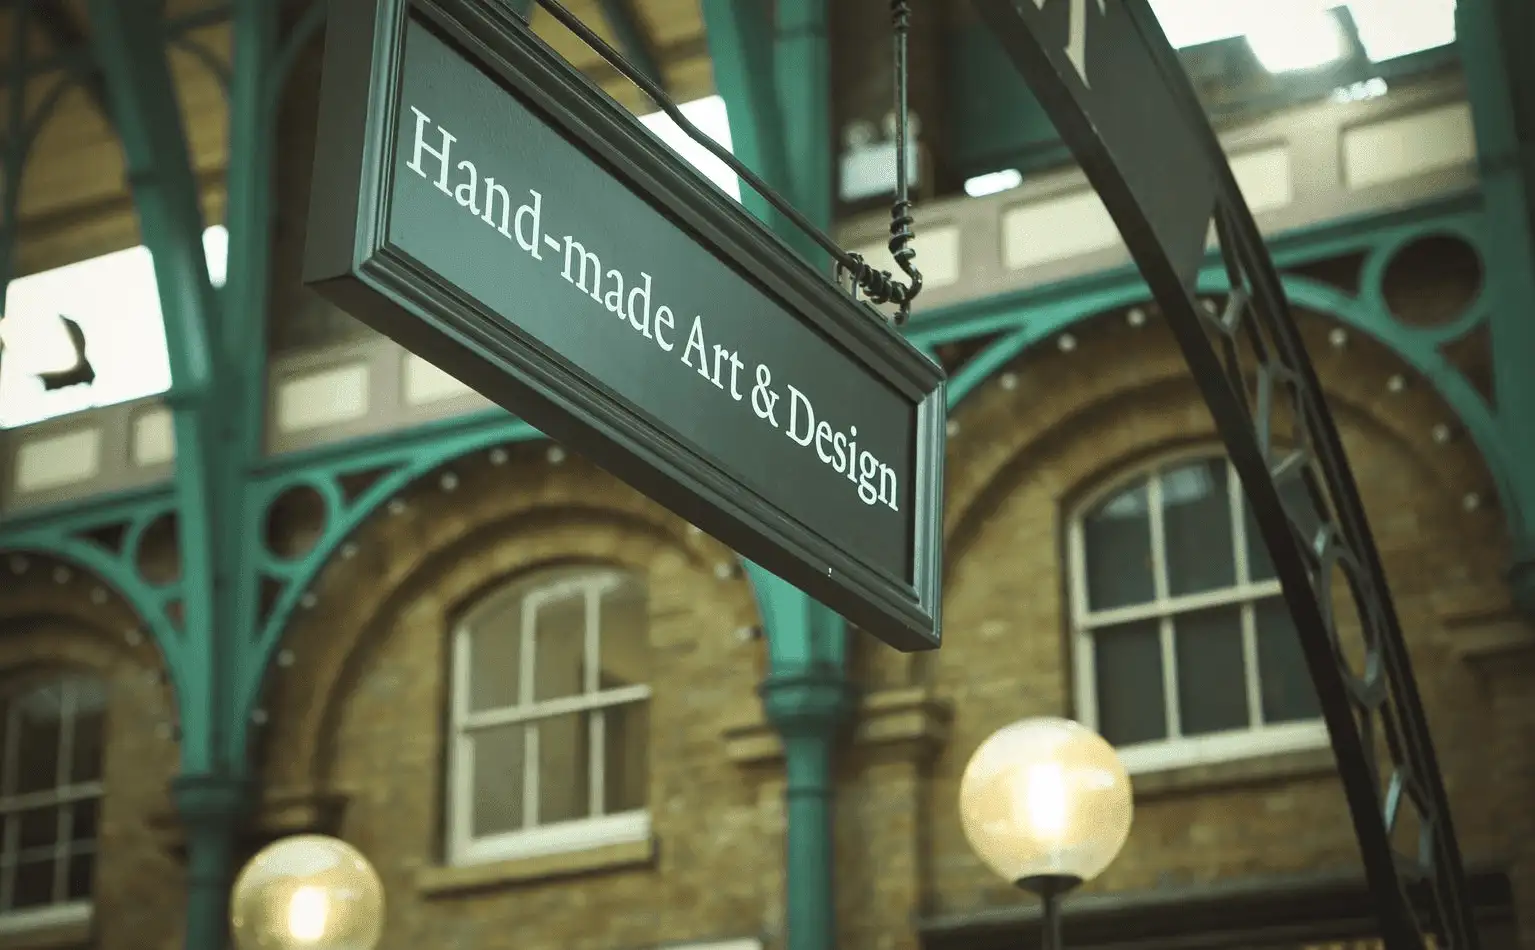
x=533 y=839
x=1177 y=751
x=65 y=913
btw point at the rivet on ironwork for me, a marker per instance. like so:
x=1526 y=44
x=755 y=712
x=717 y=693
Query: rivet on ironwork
x=556 y=455
x=349 y=550
x=1009 y=381
x=19 y=564
x=61 y=575
x=1441 y=433
x=498 y=456
x=1210 y=306
x=308 y=601
x=98 y=596
x=724 y=570
x=1471 y=501
x=396 y=507
x=952 y=428
x=1396 y=383
x=133 y=637
x=1338 y=338
x=285 y=658
x=748 y=633
x=259 y=717
x=449 y=481
x=1136 y=317
x=1067 y=342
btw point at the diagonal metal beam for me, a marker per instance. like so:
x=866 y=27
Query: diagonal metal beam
x=523 y=8
x=65 y=32
x=633 y=38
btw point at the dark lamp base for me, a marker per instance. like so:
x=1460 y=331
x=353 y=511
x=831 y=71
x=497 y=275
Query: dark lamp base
x=1049 y=885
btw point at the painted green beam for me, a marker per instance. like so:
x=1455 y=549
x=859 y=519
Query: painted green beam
x=634 y=39
x=65 y=32
x=1500 y=84
x=523 y=8
x=740 y=37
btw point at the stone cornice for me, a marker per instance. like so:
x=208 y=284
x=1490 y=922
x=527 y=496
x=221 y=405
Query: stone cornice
x=1481 y=624
x=907 y=723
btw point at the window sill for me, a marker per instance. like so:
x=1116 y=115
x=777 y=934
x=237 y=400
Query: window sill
x=1215 y=776
x=62 y=928
x=449 y=881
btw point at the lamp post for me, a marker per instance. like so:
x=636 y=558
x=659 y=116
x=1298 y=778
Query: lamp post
x=307 y=892
x=1046 y=804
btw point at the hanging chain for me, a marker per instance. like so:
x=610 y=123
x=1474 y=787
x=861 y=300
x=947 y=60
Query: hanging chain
x=877 y=286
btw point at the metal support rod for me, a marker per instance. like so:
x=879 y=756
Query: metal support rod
x=878 y=286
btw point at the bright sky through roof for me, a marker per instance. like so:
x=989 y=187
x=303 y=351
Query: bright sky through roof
x=1289 y=34
x=114 y=299
x=708 y=115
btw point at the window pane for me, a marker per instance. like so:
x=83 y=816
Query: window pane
x=37 y=828
x=1212 y=682
x=1196 y=526
x=626 y=773
x=1116 y=536
x=495 y=656
x=86 y=746
x=37 y=721
x=625 y=636
x=33 y=883
x=82 y=872
x=564 y=768
x=560 y=647
x=1127 y=661
x=1298 y=503
x=1288 y=694
x=82 y=826
x=497 y=768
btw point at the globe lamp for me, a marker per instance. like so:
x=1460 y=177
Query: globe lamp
x=307 y=892
x=1046 y=804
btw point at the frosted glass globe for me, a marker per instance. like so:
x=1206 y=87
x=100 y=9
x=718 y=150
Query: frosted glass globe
x=307 y=892
x=1045 y=797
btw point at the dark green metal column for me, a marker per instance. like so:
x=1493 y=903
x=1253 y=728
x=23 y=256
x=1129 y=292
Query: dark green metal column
x=1500 y=80
x=775 y=79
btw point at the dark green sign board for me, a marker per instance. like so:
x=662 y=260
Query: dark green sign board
x=485 y=205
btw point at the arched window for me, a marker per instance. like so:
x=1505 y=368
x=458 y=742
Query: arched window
x=50 y=796
x=550 y=738
x=1185 y=651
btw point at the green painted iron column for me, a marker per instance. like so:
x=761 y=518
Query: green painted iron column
x=775 y=80
x=1500 y=81
x=216 y=344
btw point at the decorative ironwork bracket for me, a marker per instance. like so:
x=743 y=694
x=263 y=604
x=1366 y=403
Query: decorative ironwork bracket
x=1118 y=95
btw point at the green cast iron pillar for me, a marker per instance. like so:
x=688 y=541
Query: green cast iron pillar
x=772 y=67
x=217 y=356
x=809 y=706
x=1500 y=83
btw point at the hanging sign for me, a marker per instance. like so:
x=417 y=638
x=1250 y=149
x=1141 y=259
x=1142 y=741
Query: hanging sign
x=488 y=207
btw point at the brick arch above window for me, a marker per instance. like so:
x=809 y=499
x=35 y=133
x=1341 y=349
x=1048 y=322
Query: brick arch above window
x=1183 y=650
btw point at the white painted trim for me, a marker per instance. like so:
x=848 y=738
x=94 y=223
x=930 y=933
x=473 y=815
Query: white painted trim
x=44 y=918
x=559 y=838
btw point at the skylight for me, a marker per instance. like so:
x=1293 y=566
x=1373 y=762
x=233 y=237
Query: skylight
x=708 y=114
x=114 y=300
x=1291 y=34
